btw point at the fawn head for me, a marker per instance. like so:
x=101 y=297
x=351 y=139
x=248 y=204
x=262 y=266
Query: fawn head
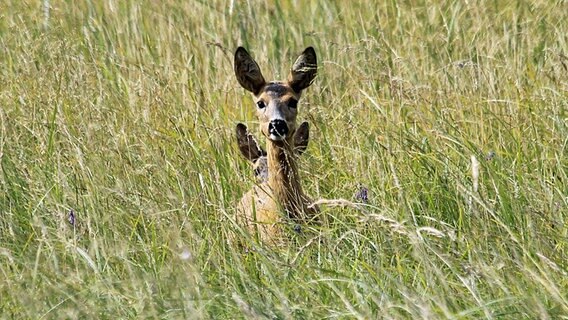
x=252 y=151
x=276 y=101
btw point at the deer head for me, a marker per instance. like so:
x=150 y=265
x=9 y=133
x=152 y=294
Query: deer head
x=276 y=101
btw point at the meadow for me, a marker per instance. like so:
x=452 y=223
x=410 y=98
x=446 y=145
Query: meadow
x=120 y=173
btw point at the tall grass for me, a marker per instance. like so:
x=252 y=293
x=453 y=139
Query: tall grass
x=120 y=174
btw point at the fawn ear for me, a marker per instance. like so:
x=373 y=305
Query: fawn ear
x=301 y=138
x=248 y=145
x=304 y=70
x=248 y=72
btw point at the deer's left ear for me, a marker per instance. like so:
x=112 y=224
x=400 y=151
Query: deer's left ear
x=248 y=72
x=304 y=70
x=301 y=138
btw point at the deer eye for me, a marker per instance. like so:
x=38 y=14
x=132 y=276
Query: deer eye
x=293 y=103
x=261 y=104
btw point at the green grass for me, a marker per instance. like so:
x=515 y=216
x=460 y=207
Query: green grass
x=123 y=112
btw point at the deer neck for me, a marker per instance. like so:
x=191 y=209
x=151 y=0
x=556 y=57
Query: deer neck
x=283 y=178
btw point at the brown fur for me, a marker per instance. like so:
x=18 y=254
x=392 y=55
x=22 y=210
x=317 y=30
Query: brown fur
x=252 y=151
x=281 y=199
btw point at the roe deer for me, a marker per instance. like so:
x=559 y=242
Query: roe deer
x=266 y=206
x=253 y=152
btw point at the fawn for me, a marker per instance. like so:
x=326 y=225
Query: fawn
x=267 y=206
x=252 y=151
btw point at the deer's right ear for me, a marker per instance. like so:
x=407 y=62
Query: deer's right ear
x=248 y=72
x=301 y=138
x=248 y=145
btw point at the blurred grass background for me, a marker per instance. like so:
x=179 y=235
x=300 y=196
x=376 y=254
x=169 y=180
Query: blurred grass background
x=120 y=173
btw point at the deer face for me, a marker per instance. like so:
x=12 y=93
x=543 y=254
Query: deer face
x=277 y=101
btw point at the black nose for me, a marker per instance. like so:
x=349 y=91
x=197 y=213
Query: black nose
x=278 y=128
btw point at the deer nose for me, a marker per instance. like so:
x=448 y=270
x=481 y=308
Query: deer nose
x=278 y=128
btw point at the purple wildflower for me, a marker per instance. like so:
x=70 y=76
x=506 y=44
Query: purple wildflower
x=362 y=194
x=71 y=217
